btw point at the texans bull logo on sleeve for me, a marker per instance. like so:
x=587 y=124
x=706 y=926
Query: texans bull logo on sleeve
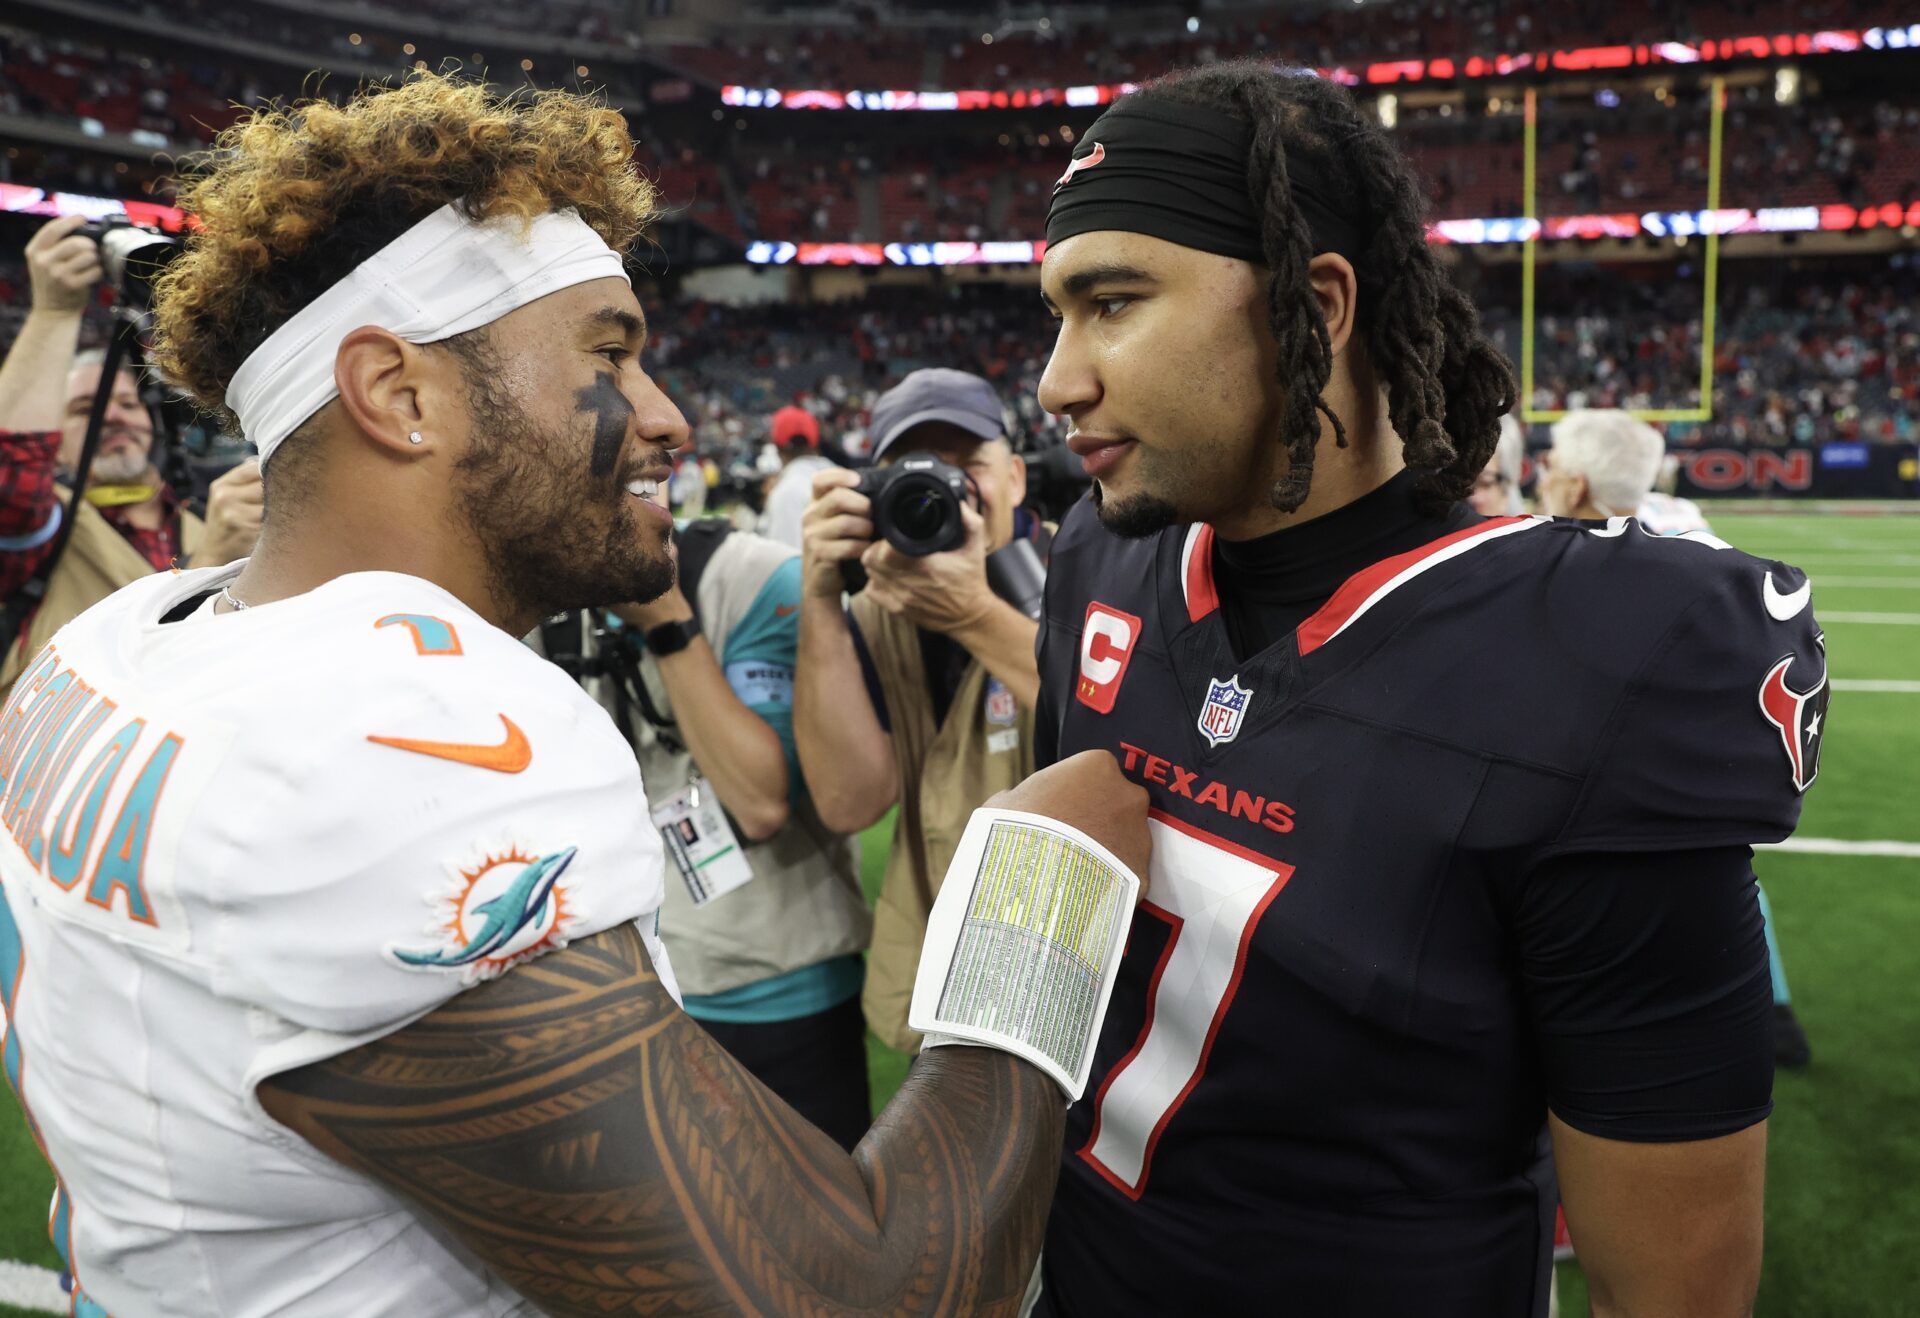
x=1798 y=715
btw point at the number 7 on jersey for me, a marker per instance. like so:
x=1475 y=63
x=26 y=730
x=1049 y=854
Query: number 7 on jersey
x=1212 y=894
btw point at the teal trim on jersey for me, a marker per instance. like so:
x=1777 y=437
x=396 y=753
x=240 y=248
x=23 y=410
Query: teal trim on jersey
x=10 y=962
x=767 y=636
x=1775 y=966
x=10 y=955
x=430 y=635
x=60 y=1227
x=807 y=991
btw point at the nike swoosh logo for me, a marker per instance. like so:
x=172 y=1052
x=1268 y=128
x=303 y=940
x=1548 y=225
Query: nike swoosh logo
x=1783 y=607
x=785 y=610
x=510 y=756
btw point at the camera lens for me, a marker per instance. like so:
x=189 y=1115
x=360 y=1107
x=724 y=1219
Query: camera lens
x=920 y=514
x=916 y=506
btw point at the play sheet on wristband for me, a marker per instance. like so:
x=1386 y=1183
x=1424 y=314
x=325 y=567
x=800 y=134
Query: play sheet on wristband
x=1024 y=941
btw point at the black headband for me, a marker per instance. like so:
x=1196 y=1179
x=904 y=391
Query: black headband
x=1179 y=172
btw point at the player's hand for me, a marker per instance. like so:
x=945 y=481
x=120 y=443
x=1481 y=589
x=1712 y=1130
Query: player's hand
x=63 y=266
x=940 y=592
x=1089 y=792
x=235 y=504
x=836 y=528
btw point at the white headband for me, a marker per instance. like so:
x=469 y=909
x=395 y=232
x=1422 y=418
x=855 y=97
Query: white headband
x=445 y=276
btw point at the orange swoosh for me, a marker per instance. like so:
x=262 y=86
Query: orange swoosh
x=785 y=610
x=510 y=756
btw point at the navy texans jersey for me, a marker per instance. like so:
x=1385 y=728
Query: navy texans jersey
x=1320 y=1087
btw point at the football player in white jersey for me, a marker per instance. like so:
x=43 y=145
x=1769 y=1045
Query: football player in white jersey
x=328 y=944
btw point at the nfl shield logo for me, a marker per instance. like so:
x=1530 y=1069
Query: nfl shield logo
x=1226 y=706
x=1001 y=708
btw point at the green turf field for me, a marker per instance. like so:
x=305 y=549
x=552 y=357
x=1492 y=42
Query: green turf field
x=1843 y=1212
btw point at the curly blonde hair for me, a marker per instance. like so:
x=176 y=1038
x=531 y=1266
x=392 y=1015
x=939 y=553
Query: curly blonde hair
x=295 y=198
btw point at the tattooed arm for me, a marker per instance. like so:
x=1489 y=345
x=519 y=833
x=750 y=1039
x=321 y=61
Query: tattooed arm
x=599 y=1151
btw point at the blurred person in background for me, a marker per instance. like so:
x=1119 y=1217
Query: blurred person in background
x=1496 y=490
x=1604 y=463
x=1665 y=513
x=130 y=522
x=763 y=913
x=796 y=438
x=947 y=666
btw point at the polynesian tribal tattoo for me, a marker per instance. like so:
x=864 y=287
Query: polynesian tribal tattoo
x=611 y=413
x=602 y=1154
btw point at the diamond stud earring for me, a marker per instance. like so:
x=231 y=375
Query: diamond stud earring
x=415 y=437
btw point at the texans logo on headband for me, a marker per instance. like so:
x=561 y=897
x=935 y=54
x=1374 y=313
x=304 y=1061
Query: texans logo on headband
x=1088 y=161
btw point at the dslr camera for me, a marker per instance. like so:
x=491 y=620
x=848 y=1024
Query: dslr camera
x=916 y=504
x=132 y=255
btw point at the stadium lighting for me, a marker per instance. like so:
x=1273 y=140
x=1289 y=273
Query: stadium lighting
x=1193 y=24
x=1786 y=85
x=407 y=49
x=986 y=38
x=526 y=66
x=353 y=38
x=581 y=70
x=1389 y=108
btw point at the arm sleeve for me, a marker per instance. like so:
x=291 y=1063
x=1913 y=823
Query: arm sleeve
x=29 y=503
x=1647 y=984
x=761 y=652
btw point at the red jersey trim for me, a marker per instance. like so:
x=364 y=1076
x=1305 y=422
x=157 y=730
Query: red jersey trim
x=1369 y=586
x=1196 y=572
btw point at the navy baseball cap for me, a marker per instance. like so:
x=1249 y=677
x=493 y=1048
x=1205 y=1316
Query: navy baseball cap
x=936 y=393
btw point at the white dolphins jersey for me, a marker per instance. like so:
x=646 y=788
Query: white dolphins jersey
x=236 y=844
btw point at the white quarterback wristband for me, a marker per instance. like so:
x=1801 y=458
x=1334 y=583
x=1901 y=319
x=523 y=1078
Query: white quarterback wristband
x=1023 y=943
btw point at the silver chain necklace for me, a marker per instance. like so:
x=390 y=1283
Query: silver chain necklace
x=226 y=593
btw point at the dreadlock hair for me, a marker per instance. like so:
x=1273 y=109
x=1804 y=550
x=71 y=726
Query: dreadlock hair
x=1447 y=386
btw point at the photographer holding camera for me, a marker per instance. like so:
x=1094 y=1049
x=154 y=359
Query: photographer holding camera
x=947 y=665
x=762 y=910
x=129 y=523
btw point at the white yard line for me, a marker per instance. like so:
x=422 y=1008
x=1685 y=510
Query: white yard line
x=27 y=1287
x=1884 y=619
x=1868 y=583
x=1887 y=685
x=1850 y=558
x=1830 y=846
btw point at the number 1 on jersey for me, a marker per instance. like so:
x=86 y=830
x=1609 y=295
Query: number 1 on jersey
x=1212 y=894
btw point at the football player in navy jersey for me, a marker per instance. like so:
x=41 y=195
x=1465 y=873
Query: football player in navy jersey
x=1452 y=814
